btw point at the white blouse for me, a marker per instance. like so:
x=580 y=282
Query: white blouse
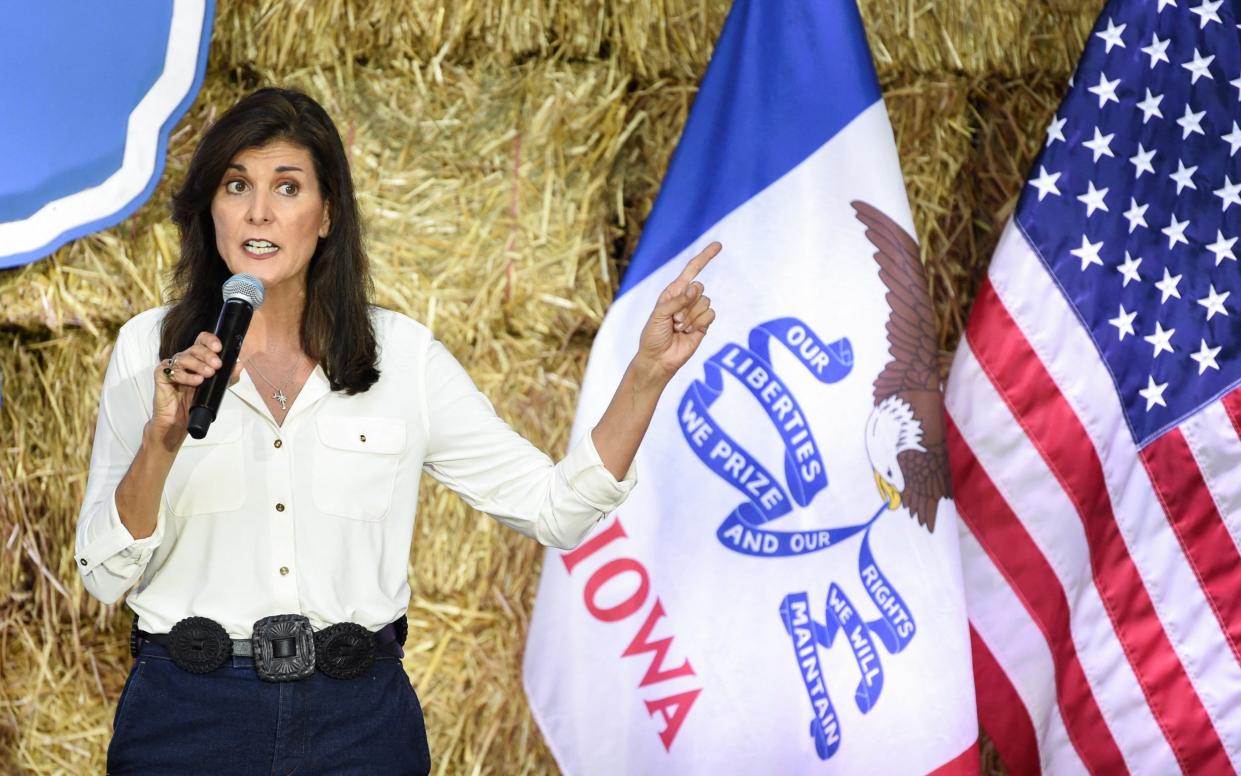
x=315 y=516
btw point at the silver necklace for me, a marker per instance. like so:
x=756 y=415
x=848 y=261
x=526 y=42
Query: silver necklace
x=279 y=395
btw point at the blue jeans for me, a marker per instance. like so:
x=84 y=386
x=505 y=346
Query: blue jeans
x=229 y=721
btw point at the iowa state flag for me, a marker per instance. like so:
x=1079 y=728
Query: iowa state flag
x=781 y=593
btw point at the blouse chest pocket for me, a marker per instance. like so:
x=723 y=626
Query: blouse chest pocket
x=208 y=475
x=355 y=466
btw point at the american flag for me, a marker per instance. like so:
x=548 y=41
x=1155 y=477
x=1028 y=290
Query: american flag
x=1094 y=416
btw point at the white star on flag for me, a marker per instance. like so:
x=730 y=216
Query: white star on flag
x=1153 y=394
x=1055 y=131
x=1157 y=50
x=1233 y=139
x=1206 y=357
x=1161 y=339
x=1088 y=253
x=1124 y=322
x=1191 y=123
x=1093 y=199
x=1164 y=4
x=1136 y=215
x=1129 y=270
x=1101 y=144
x=1222 y=248
x=1207 y=12
x=1198 y=67
x=1106 y=90
x=1176 y=232
x=1230 y=193
x=1168 y=286
x=1150 y=106
x=1142 y=161
x=1214 y=302
x=1183 y=176
x=1112 y=36
x=1045 y=183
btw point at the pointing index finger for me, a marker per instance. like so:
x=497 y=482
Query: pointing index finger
x=697 y=263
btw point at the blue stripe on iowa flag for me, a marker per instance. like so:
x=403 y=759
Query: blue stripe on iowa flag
x=74 y=73
x=763 y=107
x=1130 y=204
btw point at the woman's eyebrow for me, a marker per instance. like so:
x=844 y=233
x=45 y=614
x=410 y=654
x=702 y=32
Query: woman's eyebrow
x=281 y=168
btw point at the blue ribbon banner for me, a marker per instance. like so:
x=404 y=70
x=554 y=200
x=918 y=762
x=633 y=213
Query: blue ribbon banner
x=825 y=728
x=842 y=617
x=768 y=498
x=804 y=473
x=895 y=629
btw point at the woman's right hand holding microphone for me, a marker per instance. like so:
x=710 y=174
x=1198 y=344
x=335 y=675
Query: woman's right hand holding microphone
x=176 y=380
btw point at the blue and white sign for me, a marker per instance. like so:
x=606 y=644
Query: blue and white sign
x=88 y=95
x=781 y=593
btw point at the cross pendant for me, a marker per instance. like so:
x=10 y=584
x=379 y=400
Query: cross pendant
x=280 y=397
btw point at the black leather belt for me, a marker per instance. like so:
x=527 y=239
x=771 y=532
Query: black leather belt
x=284 y=646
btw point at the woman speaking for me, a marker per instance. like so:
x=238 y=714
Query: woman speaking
x=270 y=556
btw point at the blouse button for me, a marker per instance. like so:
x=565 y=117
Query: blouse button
x=82 y=561
x=362 y=437
x=280 y=507
x=284 y=571
x=278 y=443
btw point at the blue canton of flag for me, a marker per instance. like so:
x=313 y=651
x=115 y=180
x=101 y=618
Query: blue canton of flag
x=1130 y=204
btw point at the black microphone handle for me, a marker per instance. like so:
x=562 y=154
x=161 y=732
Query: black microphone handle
x=231 y=329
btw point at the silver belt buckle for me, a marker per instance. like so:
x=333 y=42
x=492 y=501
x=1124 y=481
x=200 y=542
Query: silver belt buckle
x=284 y=648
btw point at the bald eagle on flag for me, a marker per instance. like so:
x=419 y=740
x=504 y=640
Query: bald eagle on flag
x=905 y=432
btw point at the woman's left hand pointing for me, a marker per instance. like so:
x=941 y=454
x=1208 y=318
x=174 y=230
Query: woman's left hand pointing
x=680 y=319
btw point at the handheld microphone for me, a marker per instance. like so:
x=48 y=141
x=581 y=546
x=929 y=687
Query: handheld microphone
x=243 y=294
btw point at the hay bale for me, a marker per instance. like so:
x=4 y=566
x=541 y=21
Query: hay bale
x=56 y=701
x=651 y=38
x=934 y=127
x=1011 y=117
x=976 y=37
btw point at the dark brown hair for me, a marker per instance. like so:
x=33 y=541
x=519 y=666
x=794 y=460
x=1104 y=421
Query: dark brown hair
x=336 y=327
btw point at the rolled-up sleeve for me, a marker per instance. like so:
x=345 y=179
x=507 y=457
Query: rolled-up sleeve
x=497 y=471
x=590 y=479
x=106 y=554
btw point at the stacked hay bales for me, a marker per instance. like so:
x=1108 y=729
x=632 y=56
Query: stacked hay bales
x=506 y=156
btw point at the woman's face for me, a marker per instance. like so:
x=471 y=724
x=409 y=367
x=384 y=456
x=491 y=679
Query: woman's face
x=269 y=214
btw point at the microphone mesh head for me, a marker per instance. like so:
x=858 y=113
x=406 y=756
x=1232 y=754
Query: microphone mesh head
x=246 y=287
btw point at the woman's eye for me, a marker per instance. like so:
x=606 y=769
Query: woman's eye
x=288 y=189
x=235 y=187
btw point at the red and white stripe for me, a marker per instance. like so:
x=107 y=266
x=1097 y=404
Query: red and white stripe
x=1103 y=581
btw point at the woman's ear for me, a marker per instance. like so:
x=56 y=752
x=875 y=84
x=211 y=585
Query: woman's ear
x=325 y=227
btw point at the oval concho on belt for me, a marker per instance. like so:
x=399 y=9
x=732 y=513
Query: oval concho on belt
x=402 y=629
x=345 y=650
x=283 y=648
x=199 y=645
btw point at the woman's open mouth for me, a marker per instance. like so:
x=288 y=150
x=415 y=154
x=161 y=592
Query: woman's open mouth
x=259 y=249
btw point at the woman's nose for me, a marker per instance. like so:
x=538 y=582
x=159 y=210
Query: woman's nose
x=259 y=211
